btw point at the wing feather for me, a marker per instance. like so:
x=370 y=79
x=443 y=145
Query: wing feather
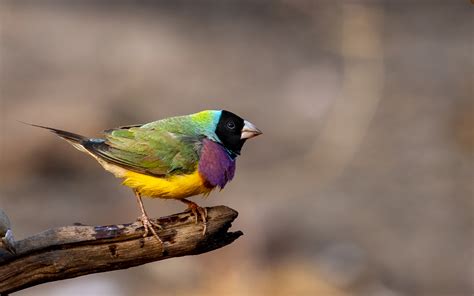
x=149 y=150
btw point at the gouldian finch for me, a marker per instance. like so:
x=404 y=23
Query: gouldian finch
x=172 y=158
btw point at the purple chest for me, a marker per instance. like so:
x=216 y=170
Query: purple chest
x=215 y=164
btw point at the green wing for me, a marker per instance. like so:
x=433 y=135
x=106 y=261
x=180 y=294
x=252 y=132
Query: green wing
x=161 y=148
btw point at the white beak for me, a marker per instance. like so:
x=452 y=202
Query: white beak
x=249 y=131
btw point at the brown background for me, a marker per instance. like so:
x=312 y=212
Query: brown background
x=360 y=185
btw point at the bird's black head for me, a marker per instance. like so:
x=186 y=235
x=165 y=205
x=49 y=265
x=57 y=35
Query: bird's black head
x=233 y=131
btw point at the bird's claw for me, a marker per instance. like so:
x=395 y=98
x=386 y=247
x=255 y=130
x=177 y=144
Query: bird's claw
x=150 y=227
x=197 y=212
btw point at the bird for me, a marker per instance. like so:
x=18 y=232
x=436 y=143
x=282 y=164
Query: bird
x=172 y=158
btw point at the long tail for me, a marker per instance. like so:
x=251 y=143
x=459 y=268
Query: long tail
x=75 y=140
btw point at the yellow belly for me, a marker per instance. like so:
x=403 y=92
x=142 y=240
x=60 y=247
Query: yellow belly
x=176 y=187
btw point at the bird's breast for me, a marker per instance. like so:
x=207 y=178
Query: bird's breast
x=176 y=187
x=215 y=164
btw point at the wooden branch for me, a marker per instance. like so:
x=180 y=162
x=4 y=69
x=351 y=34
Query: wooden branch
x=72 y=251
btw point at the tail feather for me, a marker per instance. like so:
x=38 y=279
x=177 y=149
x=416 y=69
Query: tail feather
x=97 y=148
x=71 y=137
x=75 y=140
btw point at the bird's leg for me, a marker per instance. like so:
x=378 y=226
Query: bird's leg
x=197 y=211
x=147 y=224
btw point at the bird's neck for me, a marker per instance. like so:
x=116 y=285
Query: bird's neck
x=231 y=153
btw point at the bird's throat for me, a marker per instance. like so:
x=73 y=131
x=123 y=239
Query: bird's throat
x=216 y=166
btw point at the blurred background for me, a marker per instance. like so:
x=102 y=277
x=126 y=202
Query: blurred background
x=362 y=183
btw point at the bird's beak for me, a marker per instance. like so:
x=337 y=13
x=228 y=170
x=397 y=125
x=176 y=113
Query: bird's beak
x=249 y=131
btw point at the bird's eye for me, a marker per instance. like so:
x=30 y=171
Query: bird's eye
x=230 y=124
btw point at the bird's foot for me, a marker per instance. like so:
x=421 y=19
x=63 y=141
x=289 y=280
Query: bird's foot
x=150 y=227
x=197 y=212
